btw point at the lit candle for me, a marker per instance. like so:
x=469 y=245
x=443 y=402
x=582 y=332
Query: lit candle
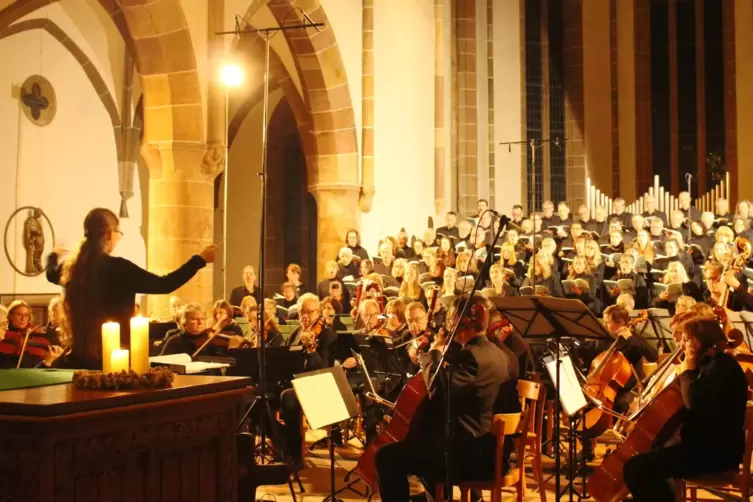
x=119 y=360
x=110 y=342
x=140 y=344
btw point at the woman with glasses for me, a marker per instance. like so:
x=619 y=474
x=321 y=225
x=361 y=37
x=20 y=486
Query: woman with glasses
x=100 y=287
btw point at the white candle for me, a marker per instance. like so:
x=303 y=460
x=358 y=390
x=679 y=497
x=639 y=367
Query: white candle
x=110 y=342
x=140 y=344
x=119 y=360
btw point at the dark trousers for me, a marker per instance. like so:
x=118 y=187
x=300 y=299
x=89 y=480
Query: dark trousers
x=647 y=475
x=290 y=412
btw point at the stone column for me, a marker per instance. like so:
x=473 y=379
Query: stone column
x=467 y=123
x=181 y=212
x=367 y=108
x=337 y=205
x=439 y=108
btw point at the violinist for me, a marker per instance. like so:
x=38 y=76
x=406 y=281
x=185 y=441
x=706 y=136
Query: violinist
x=270 y=311
x=478 y=371
x=223 y=310
x=319 y=345
x=193 y=333
x=418 y=330
x=712 y=437
x=42 y=348
x=395 y=310
x=272 y=335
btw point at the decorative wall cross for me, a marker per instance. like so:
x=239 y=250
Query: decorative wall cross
x=35 y=101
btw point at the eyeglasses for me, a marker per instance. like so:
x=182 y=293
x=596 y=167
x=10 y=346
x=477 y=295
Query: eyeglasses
x=415 y=320
x=308 y=313
x=119 y=231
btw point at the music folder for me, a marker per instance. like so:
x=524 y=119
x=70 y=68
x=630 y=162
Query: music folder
x=325 y=397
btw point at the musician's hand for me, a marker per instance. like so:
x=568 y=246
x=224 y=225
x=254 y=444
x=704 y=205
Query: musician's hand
x=664 y=295
x=413 y=354
x=308 y=340
x=731 y=280
x=349 y=363
x=625 y=332
x=54 y=354
x=209 y=253
x=420 y=341
x=577 y=290
x=234 y=342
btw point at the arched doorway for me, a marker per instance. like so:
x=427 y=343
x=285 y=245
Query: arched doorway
x=291 y=210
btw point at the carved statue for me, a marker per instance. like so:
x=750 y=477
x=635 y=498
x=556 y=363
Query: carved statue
x=34 y=242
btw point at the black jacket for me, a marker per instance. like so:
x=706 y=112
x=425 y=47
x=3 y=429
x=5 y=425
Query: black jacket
x=715 y=394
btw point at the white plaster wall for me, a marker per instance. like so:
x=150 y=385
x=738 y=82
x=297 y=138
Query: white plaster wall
x=507 y=103
x=404 y=119
x=66 y=168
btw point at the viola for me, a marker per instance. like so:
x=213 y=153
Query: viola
x=214 y=336
x=610 y=372
x=30 y=341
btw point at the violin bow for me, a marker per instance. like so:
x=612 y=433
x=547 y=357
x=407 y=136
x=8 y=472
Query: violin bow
x=215 y=332
x=23 y=347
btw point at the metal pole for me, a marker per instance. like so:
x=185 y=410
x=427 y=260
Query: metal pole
x=225 y=194
x=263 y=175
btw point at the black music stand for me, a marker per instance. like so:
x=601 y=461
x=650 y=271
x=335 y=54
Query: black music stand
x=548 y=317
x=657 y=329
x=326 y=399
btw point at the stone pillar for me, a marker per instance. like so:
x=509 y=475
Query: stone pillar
x=576 y=168
x=337 y=205
x=467 y=123
x=181 y=212
x=439 y=108
x=367 y=108
x=626 y=99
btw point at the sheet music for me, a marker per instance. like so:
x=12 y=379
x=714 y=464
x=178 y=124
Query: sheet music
x=571 y=395
x=320 y=400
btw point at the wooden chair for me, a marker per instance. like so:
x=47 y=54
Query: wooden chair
x=533 y=401
x=732 y=481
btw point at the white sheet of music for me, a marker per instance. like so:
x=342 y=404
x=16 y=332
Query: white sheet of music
x=571 y=394
x=320 y=400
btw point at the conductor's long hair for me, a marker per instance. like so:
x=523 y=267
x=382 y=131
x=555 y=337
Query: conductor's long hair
x=80 y=278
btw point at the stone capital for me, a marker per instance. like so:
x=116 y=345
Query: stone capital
x=184 y=160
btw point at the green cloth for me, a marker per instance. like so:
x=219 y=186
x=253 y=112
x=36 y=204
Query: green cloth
x=23 y=378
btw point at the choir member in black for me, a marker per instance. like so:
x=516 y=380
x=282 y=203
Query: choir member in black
x=478 y=371
x=322 y=289
x=289 y=298
x=348 y=267
x=398 y=272
x=689 y=211
x=411 y=288
x=403 y=249
x=450 y=228
x=741 y=227
x=293 y=276
x=712 y=437
x=702 y=240
x=513 y=237
x=353 y=241
x=19 y=322
x=594 y=260
x=563 y=211
x=744 y=209
x=248 y=289
x=587 y=223
x=481 y=206
x=587 y=295
x=656 y=234
x=516 y=216
x=600 y=218
x=627 y=271
x=549 y=219
x=576 y=233
x=319 y=350
x=193 y=331
x=615 y=225
x=739 y=298
x=446 y=251
x=329 y=314
x=101 y=288
x=541 y=269
x=635 y=349
x=618 y=206
x=652 y=210
x=384 y=267
x=498 y=280
x=721 y=210
x=366 y=267
x=508 y=258
x=637 y=224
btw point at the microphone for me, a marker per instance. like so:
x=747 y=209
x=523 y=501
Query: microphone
x=503 y=219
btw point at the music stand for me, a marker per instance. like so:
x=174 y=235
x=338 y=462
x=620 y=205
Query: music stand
x=326 y=399
x=656 y=329
x=548 y=317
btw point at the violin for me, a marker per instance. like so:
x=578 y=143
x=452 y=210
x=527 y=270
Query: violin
x=214 y=336
x=310 y=336
x=423 y=340
x=29 y=341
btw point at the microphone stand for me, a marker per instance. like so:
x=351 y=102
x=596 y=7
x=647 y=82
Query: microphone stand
x=448 y=418
x=688 y=179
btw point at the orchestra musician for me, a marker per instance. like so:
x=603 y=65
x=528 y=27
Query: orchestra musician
x=478 y=371
x=18 y=323
x=101 y=288
x=194 y=332
x=418 y=330
x=712 y=437
x=739 y=298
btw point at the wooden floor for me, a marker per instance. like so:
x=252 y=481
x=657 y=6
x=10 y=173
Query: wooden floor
x=316 y=477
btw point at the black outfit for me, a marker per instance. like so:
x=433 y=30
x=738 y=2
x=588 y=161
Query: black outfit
x=290 y=407
x=479 y=369
x=625 y=218
x=238 y=294
x=360 y=252
x=715 y=393
x=657 y=214
x=448 y=232
x=382 y=269
x=112 y=294
x=692 y=213
x=351 y=270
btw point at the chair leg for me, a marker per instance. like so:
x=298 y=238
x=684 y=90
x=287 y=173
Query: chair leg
x=538 y=473
x=292 y=490
x=298 y=480
x=439 y=492
x=496 y=494
x=693 y=494
x=465 y=495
